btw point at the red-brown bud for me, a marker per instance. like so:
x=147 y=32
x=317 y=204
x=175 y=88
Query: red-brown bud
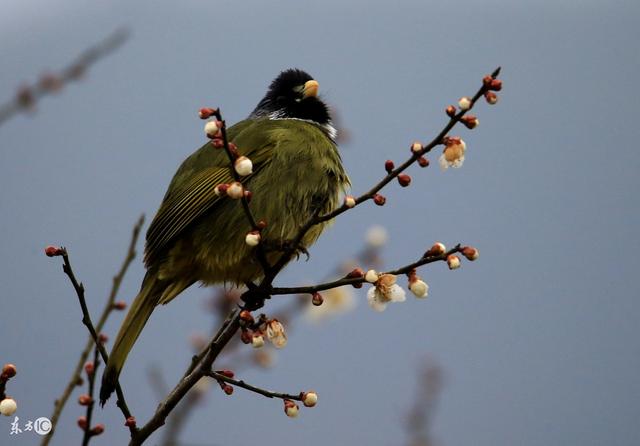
x=246 y=316
x=97 y=429
x=222 y=188
x=486 y=81
x=380 y=200
x=89 y=368
x=119 y=305
x=404 y=179
x=131 y=422
x=248 y=195
x=227 y=373
x=316 y=299
x=84 y=399
x=423 y=162
x=233 y=149
x=103 y=338
x=82 y=422
x=451 y=111
x=389 y=166
x=53 y=251
x=227 y=389
x=470 y=121
x=491 y=97
x=356 y=273
x=495 y=85
x=470 y=253
x=261 y=224
x=246 y=337
x=8 y=371
x=206 y=112
x=217 y=143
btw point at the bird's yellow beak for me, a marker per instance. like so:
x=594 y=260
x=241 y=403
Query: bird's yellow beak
x=310 y=89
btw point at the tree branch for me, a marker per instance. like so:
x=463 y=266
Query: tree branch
x=239 y=383
x=106 y=312
x=27 y=96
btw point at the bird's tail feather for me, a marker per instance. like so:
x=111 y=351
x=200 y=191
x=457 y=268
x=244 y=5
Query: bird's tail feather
x=141 y=308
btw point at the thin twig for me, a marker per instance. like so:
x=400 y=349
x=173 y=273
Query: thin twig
x=86 y=320
x=92 y=384
x=356 y=280
x=239 y=383
x=260 y=254
x=106 y=311
x=27 y=96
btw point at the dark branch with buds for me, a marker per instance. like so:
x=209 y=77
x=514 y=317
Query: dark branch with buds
x=254 y=329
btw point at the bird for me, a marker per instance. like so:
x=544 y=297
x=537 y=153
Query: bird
x=198 y=235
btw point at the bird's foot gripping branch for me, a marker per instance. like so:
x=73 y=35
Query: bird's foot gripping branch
x=223 y=185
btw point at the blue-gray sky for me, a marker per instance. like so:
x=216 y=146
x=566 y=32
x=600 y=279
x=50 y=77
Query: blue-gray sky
x=538 y=339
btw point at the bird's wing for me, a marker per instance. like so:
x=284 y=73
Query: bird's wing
x=191 y=192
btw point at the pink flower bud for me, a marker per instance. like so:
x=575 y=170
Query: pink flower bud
x=316 y=299
x=291 y=408
x=470 y=121
x=206 y=112
x=464 y=103
x=404 y=179
x=131 y=422
x=84 y=399
x=103 y=338
x=491 y=97
x=261 y=224
x=451 y=111
x=221 y=189
x=252 y=238
x=495 y=85
x=371 y=276
x=97 y=429
x=436 y=250
x=89 y=368
x=380 y=200
x=227 y=389
x=8 y=371
x=217 y=143
x=349 y=201
x=246 y=316
x=119 y=305
x=246 y=337
x=211 y=128
x=235 y=190
x=453 y=261
x=470 y=253
x=8 y=407
x=82 y=422
x=248 y=195
x=423 y=162
x=309 y=399
x=53 y=251
x=243 y=166
x=389 y=166
x=227 y=373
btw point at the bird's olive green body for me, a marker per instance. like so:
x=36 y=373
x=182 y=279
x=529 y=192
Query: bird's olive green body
x=198 y=236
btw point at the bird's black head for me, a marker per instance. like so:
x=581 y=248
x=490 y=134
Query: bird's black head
x=293 y=94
